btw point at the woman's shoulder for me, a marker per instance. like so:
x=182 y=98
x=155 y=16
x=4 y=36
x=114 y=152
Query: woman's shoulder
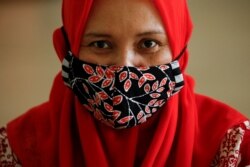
x=7 y=157
x=235 y=147
x=215 y=115
x=211 y=104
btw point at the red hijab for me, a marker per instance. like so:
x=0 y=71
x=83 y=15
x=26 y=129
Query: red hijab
x=185 y=132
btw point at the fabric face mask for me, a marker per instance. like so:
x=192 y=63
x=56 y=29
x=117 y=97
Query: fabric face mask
x=121 y=96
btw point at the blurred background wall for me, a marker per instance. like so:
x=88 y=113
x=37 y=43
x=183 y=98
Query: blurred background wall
x=219 y=52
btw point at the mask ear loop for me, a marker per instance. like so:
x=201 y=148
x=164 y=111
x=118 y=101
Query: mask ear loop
x=180 y=55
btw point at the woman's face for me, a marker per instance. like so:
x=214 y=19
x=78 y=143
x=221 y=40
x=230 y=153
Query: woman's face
x=125 y=32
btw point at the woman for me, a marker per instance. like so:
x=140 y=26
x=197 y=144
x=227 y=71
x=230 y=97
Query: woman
x=126 y=100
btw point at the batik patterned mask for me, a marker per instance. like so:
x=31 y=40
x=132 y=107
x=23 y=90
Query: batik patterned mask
x=121 y=96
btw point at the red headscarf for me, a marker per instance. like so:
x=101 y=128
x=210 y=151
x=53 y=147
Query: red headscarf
x=186 y=132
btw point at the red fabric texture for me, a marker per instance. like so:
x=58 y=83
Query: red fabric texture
x=186 y=132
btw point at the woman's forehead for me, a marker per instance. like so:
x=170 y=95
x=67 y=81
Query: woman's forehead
x=123 y=15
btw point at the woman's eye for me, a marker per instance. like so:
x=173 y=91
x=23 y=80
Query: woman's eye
x=147 y=44
x=100 y=44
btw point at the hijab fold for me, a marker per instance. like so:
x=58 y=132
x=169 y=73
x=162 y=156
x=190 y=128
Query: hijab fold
x=186 y=132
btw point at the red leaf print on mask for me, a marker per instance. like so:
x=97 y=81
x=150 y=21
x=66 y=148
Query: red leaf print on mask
x=143 y=119
x=156 y=104
x=115 y=68
x=171 y=85
x=147 y=88
x=116 y=114
x=123 y=76
x=140 y=114
x=163 y=82
x=100 y=71
x=149 y=76
x=141 y=81
x=125 y=119
x=127 y=85
x=155 y=95
x=160 y=89
x=109 y=74
x=106 y=83
x=143 y=68
x=88 y=69
x=133 y=76
x=117 y=100
x=147 y=109
x=155 y=85
x=103 y=95
x=108 y=107
x=94 y=79
x=159 y=103
x=154 y=110
x=164 y=67
x=152 y=102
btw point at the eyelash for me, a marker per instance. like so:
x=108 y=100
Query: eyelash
x=95 y=44
x=108 y=45
x=143 y=42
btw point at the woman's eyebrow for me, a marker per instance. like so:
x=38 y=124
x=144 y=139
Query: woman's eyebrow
x=93 y=34
x=153 y=32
